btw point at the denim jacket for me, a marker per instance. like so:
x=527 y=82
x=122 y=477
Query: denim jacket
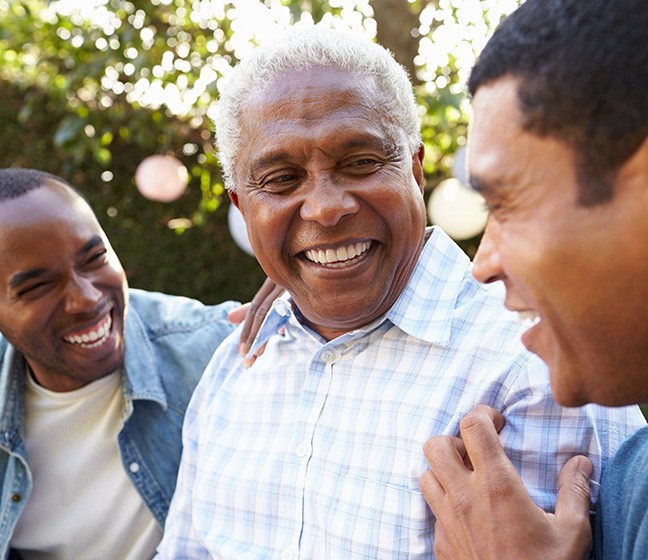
x=169 y=341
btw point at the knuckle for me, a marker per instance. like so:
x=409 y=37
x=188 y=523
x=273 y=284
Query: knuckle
x=431 y=444
x=263 y=309
x=460 y=504
x=471 y=422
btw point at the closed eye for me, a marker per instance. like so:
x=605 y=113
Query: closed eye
x=360 y=166
x=33 y=290
x=97 y=258
x=281 y=182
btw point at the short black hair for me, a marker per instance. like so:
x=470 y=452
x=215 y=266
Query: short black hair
x=17 y=181
x=582 y=67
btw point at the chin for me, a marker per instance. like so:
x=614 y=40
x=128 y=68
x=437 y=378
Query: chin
x=566 y=393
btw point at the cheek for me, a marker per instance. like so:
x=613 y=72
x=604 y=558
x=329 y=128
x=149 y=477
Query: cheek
x=267 y=221
x=26 y=331
x=111 y=276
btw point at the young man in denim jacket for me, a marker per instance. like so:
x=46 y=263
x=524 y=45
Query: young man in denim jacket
x=94 y=381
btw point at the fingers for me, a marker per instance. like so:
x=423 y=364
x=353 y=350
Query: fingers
x=237 y=315
x=256 y=312
x=572 y=519
x=432 y=490
x=446 y=457
x=573 y=499
x=479 y=432
x=253 y=321
x=444 y=451
x=249 y=360
x=451 y=459
x=250 y=315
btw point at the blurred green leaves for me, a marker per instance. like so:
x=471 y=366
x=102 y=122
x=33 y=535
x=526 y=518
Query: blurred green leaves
x=145 y=73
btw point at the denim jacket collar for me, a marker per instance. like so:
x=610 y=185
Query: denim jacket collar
x=143 y=378
x=12 y=387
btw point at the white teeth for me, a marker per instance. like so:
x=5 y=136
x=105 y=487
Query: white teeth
x=528 y=318
x=93 y=338
x=333 y=257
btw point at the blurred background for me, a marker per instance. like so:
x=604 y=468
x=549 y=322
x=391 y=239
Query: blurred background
x=115 y=97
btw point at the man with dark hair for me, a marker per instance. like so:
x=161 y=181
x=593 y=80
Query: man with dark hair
x=558 y=146
x=95 y=379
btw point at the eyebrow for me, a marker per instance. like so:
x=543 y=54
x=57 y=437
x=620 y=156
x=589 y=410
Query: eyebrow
x=21 y=277
x=369 y=141
x=94 y=241
x=262 y=163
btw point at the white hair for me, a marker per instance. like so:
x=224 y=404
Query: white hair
x=301 y=48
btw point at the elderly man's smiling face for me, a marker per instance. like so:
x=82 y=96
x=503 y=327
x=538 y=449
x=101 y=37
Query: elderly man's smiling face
x=333 y=202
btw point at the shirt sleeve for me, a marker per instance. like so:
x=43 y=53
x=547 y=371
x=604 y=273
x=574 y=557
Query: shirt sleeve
x=540 y=436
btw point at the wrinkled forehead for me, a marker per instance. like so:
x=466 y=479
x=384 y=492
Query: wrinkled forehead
x=326 y=86
x=318 y=76
x=313 y=98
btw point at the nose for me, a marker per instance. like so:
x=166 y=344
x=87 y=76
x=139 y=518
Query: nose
x=487 y=266
x=81 y=295
x=327 y=201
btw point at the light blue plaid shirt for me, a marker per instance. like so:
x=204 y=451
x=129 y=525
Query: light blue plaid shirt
x=316 y=450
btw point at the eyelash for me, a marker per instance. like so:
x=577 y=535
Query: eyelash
x=91 y=260
x=98 y=255
x=21 y=293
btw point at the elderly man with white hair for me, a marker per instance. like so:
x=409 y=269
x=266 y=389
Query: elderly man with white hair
x=316 y=450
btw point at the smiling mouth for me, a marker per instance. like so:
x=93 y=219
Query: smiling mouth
x=340 y=257
x=94 y=337
x=528 y=318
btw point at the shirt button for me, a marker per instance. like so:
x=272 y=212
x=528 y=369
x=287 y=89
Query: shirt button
x=282 y=308
x=301 y=451
x=134 y=467
x=15 y=498
x=328 y=356
x=286 y=554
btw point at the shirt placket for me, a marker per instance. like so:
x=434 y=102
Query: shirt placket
x=314 y=395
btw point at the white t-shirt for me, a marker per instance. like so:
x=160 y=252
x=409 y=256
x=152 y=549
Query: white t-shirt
x=83 y=505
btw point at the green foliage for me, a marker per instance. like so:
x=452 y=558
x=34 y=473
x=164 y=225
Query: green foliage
x=93 y=87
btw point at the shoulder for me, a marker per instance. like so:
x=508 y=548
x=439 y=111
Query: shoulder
x=173 y=333
x=622 y=517
x=629 y=466
x=162 y=313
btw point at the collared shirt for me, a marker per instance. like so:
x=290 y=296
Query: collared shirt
x=316 y=450
x=169 y=340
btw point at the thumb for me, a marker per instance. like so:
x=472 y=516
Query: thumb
x=236 y=315
x=572 y=504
